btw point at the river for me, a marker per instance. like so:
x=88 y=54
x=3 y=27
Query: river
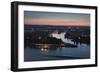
x=82 y=51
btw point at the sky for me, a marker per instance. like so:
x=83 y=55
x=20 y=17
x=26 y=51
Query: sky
x=56 y=18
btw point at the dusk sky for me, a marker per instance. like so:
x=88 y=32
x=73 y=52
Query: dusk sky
x=56 y=18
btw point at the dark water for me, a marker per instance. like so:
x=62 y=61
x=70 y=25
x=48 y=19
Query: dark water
x=82 y=51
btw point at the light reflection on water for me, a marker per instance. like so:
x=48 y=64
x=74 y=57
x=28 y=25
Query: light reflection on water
x=80 y=52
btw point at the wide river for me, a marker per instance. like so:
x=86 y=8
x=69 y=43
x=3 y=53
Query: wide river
x=82 y=51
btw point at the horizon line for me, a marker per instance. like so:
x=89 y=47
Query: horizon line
x=55 y=25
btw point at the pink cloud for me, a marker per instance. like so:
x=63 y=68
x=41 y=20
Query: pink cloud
x=57 y=22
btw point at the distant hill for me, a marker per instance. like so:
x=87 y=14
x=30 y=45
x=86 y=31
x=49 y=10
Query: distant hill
x=49 y=27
